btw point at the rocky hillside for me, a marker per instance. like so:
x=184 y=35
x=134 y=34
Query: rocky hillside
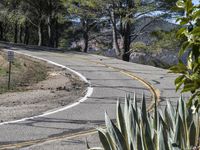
x=155 y=25
x=156 y=45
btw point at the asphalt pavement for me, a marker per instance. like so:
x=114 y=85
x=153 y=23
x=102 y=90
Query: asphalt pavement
x=111 y=79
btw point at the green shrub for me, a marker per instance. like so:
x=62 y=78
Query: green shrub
x=159 y=34
x=139 y=46
x=137 y=129
x=189 y=73
x=165 y=40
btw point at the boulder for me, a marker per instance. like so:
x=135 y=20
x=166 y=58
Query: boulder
x=163 y=60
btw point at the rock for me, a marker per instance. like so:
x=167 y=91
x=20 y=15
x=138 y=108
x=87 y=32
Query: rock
x=52 y=91
x=168 y=57
x=59 y=88
x=163 y=60
x=110 y=53
x=138 y=57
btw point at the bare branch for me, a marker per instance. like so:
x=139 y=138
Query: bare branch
x=135 y=35
x=31 y=22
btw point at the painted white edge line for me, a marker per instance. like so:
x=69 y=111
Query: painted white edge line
x=88 y=94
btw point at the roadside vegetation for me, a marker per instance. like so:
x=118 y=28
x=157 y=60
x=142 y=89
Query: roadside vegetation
x=168 y=128
x=189 y=72
x=24 y=73
x=163 y=41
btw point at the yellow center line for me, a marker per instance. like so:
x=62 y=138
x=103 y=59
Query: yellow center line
x=156 y=98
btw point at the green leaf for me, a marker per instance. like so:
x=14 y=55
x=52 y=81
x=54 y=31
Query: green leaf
x=135 y=102
x=115 y=134
x=190 y=101
x=161 y=139
x=180 y=32
x=180 y=4
x=188 y=87
x=184 y=47
x=104 y=140
x=197 y=126
x=132 y=126
x=169 y=116
x=138 y=138
x=179 y=81
x=155 y=119
x=196 y=14
x=120 y=120
x=181 y=109
x=188 y=7
x=144 y=110
x=196 y=31
x=179 y=68
x=192 y=133
x=178 y=130
x=184 y=21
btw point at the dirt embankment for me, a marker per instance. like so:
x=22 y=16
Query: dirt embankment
x=32 y=96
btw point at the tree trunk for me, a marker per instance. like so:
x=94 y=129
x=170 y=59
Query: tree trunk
x=16 y=33
x=86 y=41
x=26 y=34
x=127 y=41
x=56 y=34
x=127 y=33
x=85 y=34
x=1 y=30
x=40 y=34
x=49 y=25
x=5 y=28
x=114 y=34
x=20 y=33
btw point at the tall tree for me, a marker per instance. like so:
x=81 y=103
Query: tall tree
x=35 y=12
x=55 y=11
x=11 y=15
x=86 y=12
x=122 y=15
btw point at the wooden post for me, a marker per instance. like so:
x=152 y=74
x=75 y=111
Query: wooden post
x=9 y=76
x=10 y=60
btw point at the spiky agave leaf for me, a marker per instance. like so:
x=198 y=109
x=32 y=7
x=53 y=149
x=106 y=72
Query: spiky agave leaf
x=170 y=116
x=197 y=127
x=133 y=126
x=137 y=129
x=105 y=139
x=144 y=109
x=94 y=148
x=115 y=134
x=162 y=145
x=121 y=121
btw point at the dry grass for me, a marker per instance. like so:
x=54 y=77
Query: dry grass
x=25 y=72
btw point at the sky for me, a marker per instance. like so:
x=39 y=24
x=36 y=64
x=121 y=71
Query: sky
x=196 y=1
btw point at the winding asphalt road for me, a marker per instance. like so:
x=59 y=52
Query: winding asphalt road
x=110 y=79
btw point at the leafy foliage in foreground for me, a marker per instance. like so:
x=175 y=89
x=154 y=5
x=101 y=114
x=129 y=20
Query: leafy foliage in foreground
x=137 y=129
x=190 y=72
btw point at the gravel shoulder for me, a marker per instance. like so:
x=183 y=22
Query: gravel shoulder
x=59 y=89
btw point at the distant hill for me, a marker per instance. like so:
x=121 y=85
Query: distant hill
x=157 y=24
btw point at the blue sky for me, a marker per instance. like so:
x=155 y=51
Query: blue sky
x=196 y=1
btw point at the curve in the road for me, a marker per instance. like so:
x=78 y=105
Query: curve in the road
x=88 y=93
x=154 y=91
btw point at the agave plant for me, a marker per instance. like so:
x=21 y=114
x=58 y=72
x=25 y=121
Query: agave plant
x=136 y=129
